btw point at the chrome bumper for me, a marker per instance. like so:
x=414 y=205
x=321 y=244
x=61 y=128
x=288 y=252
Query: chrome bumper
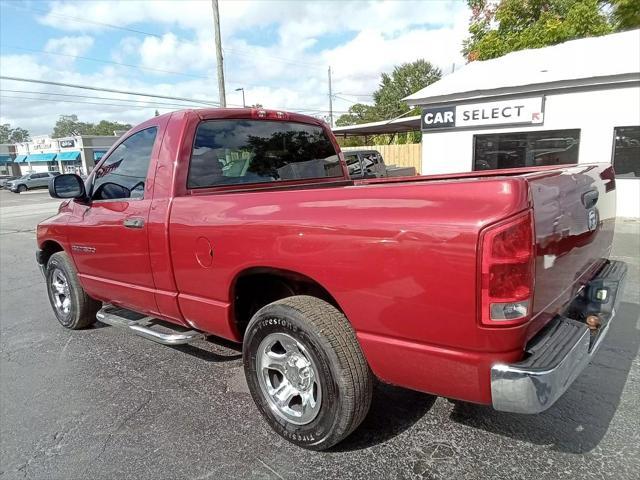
x=559 y=353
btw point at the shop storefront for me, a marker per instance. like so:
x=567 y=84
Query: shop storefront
x=567 y=104
x=67 y=155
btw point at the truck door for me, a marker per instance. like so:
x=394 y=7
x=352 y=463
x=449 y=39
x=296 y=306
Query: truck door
x=108 y=237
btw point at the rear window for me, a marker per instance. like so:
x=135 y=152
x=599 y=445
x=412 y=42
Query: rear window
x=229 y=152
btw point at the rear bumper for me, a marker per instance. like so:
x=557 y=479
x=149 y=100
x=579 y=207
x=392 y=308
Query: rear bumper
x=560 y=351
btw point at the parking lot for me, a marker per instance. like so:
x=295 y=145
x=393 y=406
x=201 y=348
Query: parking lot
x=101 y=403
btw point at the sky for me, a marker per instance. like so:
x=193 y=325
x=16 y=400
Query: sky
x=278 y=51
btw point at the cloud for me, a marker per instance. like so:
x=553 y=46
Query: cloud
x=278 y=51
x=70 y=45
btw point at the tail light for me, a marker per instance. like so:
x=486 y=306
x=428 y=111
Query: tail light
x=507 y=272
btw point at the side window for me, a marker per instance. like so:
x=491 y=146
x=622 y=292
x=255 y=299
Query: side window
x=231 y=152
x=124 y=173
x=626 y=152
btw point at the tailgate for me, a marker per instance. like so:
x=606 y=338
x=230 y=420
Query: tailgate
x=574 y=212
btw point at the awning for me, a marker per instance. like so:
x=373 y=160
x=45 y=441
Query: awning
x=4 y=159
x=399 y=125
x=98 y=154
x=20 y=159
x=41 y=157
x=71 y=156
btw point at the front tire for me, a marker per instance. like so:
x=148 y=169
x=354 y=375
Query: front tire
x=73 y=308
x=306 y=371
x=21 y=188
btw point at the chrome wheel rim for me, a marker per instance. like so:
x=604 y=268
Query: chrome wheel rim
x=60 y=292
x=288 y=378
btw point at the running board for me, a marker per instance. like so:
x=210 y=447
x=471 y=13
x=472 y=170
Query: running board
x=141 y=325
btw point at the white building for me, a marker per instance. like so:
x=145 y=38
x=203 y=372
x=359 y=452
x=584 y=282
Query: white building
x=576 y=102
x=68 y=155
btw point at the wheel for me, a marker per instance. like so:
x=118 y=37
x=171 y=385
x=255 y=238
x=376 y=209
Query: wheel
x=22 y=188
x=74 y=309
x=306 y=371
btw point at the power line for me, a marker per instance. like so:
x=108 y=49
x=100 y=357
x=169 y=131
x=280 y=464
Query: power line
x=111 y=90
x=248 y=53
x=111 y=62
x=83 y=20
x=75 y=95
x=79 y=101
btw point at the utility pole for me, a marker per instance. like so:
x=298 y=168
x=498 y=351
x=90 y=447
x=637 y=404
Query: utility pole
x=330 y=101
x=216 y=25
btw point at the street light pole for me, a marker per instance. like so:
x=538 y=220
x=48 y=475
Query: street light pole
x=244 y=105
x=216 y=24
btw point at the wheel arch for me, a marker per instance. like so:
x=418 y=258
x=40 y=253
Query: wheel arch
x=255 y=287
x=48 y=248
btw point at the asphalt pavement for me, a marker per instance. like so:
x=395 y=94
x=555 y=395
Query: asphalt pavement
x=101 y=404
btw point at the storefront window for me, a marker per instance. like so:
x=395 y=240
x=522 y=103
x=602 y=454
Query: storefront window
x=526 y=149
x=626 y=152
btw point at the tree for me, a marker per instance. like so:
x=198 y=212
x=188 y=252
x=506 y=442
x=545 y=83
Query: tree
x=497 y=28
x=69 y=125
x=13 y=135
x=625 y=14
x=104 y=127
x=405 y=79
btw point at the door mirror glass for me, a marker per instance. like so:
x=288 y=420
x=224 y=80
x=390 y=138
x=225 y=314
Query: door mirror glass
x=68 y=185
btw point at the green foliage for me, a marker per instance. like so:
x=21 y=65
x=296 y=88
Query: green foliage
x=69 y=125
x=13 y=135
x=405 y=79
x=625 y=14
x=497 y=28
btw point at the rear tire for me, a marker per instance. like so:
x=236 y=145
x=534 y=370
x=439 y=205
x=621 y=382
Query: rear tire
x=73 y=308
x=306 y=371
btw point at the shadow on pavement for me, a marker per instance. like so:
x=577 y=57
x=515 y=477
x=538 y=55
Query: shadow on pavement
x=393 y=410
x=581 y=417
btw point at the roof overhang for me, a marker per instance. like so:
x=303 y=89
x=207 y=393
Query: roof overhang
x=399 y=125
x=629 y=79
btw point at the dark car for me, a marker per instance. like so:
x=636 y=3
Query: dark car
x=365 y=164
x=370 y=164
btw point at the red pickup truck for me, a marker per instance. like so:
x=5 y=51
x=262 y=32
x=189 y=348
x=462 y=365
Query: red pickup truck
x=488 y=287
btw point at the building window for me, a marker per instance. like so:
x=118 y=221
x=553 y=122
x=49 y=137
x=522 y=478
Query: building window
x=626 y=152
x=526 y=149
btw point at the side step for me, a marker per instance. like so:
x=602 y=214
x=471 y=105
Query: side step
x=141 y=325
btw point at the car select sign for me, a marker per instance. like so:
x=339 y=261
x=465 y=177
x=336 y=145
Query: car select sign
x=504 y=112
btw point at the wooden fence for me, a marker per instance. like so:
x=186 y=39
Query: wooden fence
x=403 y=155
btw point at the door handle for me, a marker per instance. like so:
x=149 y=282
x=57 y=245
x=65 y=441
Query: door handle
x=133 y=222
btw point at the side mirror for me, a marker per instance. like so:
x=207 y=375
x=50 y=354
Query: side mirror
x=68 y=185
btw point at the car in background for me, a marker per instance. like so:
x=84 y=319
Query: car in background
x=365 y=164
x=370 y=164
x=6 y=178
x=31 y=181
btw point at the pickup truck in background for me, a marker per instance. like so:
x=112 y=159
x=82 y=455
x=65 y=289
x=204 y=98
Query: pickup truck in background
x=487 y=287
x=370 y=164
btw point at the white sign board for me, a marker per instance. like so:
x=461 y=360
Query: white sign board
x=522 y=110
x=502 y=112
